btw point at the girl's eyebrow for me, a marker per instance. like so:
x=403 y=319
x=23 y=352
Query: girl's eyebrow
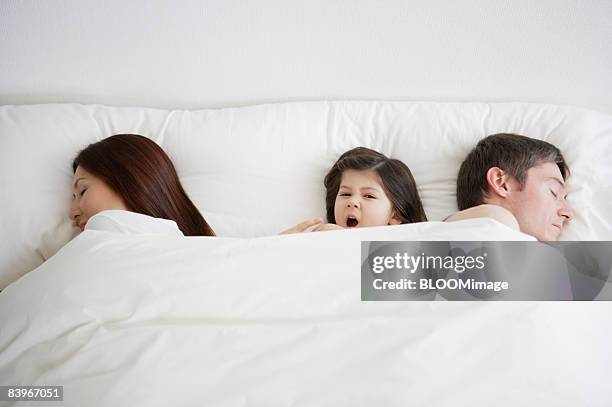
x=77 y=181
x=362 y=189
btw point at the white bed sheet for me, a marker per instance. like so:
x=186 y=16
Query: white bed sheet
x=131 y=223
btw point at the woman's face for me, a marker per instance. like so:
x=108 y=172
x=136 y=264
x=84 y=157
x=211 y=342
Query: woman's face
x=91 y=195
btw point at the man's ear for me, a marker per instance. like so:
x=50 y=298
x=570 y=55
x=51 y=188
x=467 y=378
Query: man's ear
x=395 y=220
x=498 y=182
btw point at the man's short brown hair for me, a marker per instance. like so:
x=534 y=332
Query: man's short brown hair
x=513 y=153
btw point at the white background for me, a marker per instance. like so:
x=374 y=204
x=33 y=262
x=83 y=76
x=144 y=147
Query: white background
x=196 y=54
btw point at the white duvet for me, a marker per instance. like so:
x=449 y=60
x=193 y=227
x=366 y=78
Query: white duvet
x=161 y=320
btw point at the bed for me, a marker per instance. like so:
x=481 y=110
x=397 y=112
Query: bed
x=253 y=318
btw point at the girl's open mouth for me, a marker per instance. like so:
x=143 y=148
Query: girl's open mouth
x=351 y=222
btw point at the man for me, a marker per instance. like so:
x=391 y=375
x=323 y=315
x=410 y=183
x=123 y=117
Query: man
x=517 y=180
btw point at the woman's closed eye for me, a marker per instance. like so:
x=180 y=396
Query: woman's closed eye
x=344 y=194
x=553 y=193
x=83 y=191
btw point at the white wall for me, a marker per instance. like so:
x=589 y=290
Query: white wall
x=189 y=54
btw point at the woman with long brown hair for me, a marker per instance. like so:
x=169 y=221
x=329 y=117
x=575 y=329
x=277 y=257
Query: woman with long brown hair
x=131 y=172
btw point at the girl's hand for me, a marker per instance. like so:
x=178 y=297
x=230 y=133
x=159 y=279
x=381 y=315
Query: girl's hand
x=326 y=226
x=301 y=227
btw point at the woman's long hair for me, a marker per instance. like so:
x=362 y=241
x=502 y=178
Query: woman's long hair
x=141 y=173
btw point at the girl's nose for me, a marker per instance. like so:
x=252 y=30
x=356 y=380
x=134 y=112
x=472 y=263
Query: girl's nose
x=353 y=203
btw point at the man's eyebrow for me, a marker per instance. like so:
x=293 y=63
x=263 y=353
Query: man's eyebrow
x=77 y=181
x=558 y=181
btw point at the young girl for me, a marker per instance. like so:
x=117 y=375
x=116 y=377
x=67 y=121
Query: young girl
x=365 y=188
x=132 y=173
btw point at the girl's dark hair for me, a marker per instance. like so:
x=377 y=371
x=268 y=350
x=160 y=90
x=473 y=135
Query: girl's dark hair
x=396 y=178
x=141 y=173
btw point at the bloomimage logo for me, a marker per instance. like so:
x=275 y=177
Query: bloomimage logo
x=423 y=262
x=468 y=271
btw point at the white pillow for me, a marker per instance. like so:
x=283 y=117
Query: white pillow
x=257 y=170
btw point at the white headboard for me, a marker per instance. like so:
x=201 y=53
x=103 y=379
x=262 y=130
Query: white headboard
x=197 y=54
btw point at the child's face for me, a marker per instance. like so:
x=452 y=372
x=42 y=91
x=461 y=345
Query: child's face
x=91 y=195
x=362 y=202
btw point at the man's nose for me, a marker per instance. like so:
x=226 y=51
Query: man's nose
x=566 y=212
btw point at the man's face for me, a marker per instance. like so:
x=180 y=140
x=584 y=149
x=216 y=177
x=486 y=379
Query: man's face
x=540 y=206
